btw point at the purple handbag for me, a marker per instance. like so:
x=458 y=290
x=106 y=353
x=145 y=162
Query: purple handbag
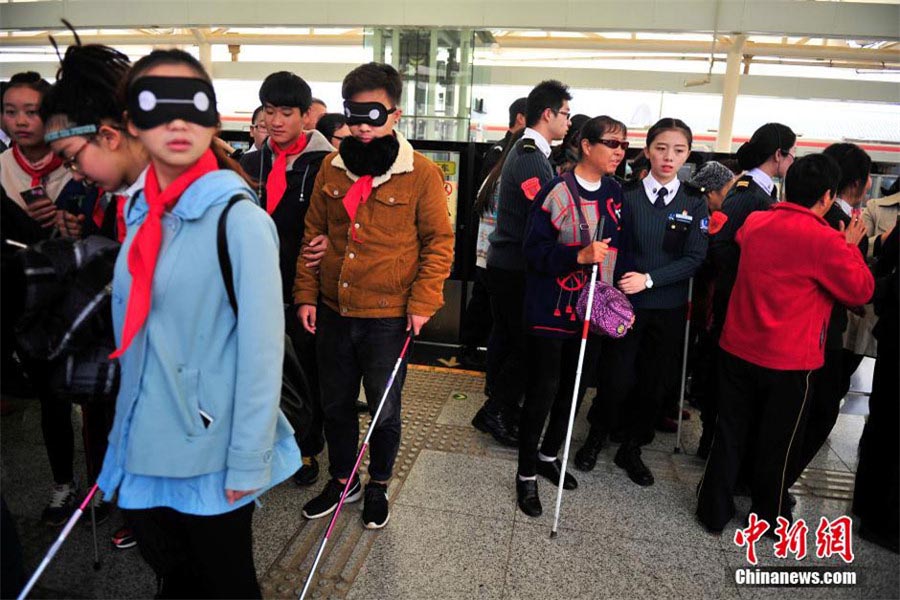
x=611 y=312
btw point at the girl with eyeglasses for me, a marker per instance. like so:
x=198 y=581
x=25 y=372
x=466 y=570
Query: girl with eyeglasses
x=198 y=433
x=661 y=218
x=561 y=243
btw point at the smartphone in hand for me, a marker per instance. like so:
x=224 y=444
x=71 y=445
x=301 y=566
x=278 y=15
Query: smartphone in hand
x=32 y=195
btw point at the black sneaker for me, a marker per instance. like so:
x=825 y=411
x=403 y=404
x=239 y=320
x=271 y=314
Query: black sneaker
x=308 y=473
x=102 y=510
x=325 y=503
x=61 y=506
x=376 y=512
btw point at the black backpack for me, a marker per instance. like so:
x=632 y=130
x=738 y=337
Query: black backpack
x=296 y=391
x=66 y=319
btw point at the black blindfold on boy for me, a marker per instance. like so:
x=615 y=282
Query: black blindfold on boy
x=154 y=101
x=375 y=157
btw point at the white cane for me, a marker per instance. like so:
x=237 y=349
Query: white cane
x=574 y=407
x=684 y=359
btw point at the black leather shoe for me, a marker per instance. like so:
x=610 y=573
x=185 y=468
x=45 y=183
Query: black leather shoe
x=629 y=458
x=586 y=457
x=527 y=497
x=494 y=424
x=550 y=471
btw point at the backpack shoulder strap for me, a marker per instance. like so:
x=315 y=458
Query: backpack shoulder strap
x=224 y=258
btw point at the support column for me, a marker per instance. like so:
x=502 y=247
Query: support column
x=464 y=88
x=730 y=89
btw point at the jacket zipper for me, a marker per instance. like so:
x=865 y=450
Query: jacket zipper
x=303 y=182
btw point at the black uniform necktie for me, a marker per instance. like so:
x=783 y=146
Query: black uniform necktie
x=661 y=198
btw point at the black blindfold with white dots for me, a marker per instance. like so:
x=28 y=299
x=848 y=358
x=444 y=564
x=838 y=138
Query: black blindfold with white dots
x=154 y=101
x=373 y=113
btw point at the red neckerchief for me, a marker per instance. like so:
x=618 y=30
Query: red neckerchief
x=358 y=193
x=36 y=173
x=276 y=183
x=145 y=245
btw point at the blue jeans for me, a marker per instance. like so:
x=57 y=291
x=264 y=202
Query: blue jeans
x=350 y=350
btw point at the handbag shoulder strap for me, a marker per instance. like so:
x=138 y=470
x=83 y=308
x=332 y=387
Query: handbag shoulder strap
x=584 y=228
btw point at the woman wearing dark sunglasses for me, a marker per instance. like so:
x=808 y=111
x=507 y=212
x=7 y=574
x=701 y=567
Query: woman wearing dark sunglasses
x=559 y=255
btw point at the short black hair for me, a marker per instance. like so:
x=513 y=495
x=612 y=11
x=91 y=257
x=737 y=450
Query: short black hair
x=547 y=94
x=318 y=101
x=284 y=88
x=373 y=76
x=809 y=177
x=855 y=164
x=329 y=123
x=256 y=112
x=29 y=79
x=518 y=107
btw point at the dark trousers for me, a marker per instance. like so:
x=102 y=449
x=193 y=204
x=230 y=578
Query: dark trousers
x=477 y=321
x=877 y=492
x=59 y=436
x=349 y=350
x=311 y=441
x=507 y=381
x=775 y=402
x=551 y=366
x=635 y=372
x=824 y=408
x=198 y=556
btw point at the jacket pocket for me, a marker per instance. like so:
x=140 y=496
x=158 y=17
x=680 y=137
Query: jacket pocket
x=675 y=236
x=333 y=191
x=189 y=400
x=391 y=212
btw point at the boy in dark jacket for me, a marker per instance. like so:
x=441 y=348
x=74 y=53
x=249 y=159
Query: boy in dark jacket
x=285 y=168
x=793 y=267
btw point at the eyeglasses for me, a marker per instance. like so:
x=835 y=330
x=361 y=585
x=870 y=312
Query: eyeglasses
x=259 y=127
x=566 y=113
x=71 y=164
x=338 y=137
x=793 y=156
x=613 y=144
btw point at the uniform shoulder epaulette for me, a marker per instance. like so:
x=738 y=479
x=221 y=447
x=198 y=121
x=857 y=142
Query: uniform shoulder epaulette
x=527 y=145
x=743 y=182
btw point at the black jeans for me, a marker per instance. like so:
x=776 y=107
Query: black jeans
x=197 y=556
x=506 y=373
x=477 y=322
x=751 y=397
x=349 y=350
x=635 y=372
x=551 y=364
x=311 y=441
x=56 y=427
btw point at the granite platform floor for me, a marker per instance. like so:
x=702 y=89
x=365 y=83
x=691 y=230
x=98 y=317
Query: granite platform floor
x=455 y=531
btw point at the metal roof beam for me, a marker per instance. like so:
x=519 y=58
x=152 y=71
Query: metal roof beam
x=847 y=20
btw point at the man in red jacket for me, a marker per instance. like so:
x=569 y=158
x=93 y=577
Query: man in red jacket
x=793 y=267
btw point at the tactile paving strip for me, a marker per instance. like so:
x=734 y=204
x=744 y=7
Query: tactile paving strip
x=425 y=392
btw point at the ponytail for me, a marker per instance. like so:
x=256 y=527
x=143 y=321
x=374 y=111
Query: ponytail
x=766 y=140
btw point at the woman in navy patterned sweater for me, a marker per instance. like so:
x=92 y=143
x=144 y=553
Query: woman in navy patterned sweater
x=559 y=253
